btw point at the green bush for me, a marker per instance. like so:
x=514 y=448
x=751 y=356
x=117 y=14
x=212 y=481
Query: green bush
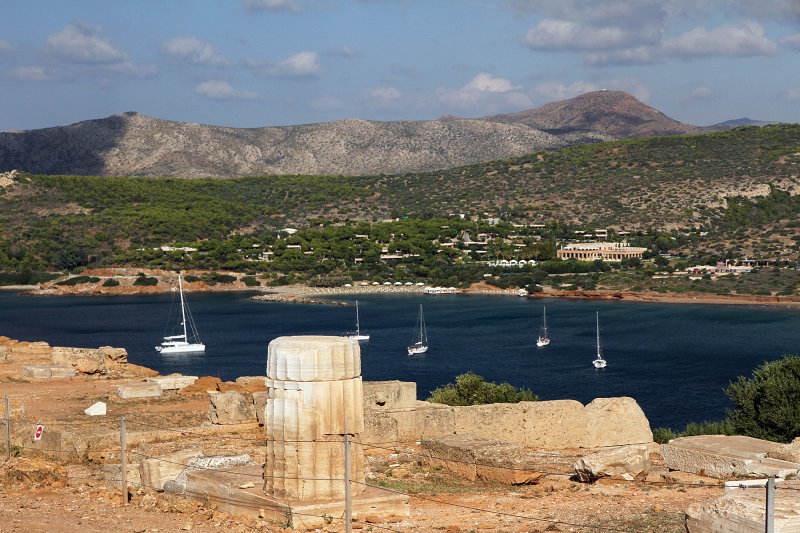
x=471 y=389
x=767 y=406
x=78 y=280
x=251 y=281
x=663 y=435
x=144 y=281
x=111 y=282
x=190 y=279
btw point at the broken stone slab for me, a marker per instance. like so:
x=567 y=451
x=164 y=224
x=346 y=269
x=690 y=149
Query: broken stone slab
x=476 y=457
x=626 y=461
x=722 y=456
x=156 y=471
x=48 y=371
x=211 y=463
x=140 y=390
x=259 y=404
x=173 y=381
x=230 y=408
x=743 y=511
x=96 y=409
x=787 y=452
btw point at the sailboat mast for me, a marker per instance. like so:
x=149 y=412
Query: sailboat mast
x=358 y=328
x=183 y=311
x=597 y=317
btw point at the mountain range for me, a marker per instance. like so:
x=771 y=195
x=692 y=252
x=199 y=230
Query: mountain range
x=132 y=144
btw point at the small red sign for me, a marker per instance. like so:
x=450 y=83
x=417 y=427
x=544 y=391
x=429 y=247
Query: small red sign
x=39 y=431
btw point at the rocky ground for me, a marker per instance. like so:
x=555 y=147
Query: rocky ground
x=47 y=491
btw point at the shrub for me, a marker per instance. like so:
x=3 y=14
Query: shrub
x=251 y=281
x=663 y=435
x=767 y=406
x=144 y=281
x=78 y=280
x=190 y=279
x=471 y=389
x=111 y=282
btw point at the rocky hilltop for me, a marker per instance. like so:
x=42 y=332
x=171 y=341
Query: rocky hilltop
x=132 y=144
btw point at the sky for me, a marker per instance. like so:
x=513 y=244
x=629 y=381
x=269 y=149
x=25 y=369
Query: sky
x=254 y=63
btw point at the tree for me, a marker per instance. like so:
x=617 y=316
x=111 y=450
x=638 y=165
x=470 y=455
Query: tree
x=767 y=406
x=471 y=389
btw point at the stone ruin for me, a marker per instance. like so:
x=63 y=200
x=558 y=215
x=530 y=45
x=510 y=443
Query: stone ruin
x=314 y=398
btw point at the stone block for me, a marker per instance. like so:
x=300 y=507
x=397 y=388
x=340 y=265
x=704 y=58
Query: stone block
x=475 y=457
x=47 y=371
x=139 y=390
x=722 y=456
x=743 y=511
x=156 y=471
x=230 y=408
x=627 y=461
x=433 y=420
x=554 y=424
x=253 y=383
x=173 y=381
x=615 y=421
x=259 y=404
x=112 y=475
x=786 y=452
x=379 y=427
x=389 y=394
x=492 y=420
x=211 y=463
x=96 y=409
x=83 y=360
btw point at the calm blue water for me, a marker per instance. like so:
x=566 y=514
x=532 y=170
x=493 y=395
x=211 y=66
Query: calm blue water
x=673 y=359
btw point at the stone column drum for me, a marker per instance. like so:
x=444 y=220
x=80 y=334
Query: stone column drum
x=314 y=397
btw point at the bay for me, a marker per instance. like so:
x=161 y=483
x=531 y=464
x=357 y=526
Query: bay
x=674 y=359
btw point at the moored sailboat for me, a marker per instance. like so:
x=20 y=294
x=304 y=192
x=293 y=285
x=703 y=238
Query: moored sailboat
x=419 y=343
x=357 y=335
x=544 y=338
x=598 y=362
x=173 y=344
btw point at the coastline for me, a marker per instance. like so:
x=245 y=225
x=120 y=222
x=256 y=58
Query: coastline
x=323 y=295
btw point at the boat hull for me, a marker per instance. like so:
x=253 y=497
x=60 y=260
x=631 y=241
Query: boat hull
x=599 y=363
x=181 y=348
x=542 y=342
x=358 y=337
x=416 y=350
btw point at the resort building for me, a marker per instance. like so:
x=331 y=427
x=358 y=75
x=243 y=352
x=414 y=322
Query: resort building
x=607 y=251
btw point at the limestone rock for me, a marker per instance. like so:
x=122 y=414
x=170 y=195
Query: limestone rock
x=389 y=394
x=201 y=386
x=228 y=386
x=627 y=461
x=27 y=472
x=230 y=408
x=211 y=462
x=112 y=474
x=47 y=371
x=96 y=409
x=787 y=452
x=260 y=404
x=741 y=511
x=139 y=390
x=89 y=360
x=611 y=421
x=253 y=383
x=480 y=458
x=173 y=381
x=156 y=471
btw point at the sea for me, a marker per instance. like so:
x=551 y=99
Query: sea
x=674 y=359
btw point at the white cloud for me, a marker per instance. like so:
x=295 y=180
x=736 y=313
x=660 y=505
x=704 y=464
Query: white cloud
x=5 y=46
x=564 y=35
x=290 y=6
x=793 y=41
x=553 y=91
x=32 y=73
x=484 y=94
x=701 y=93
x=742 y=40
x=343 y=51
x=327 y=103
x=300 y=65
x=81 y=43
x=222 y=90
x=640 y=55
x=384 y=94
x=192 y=50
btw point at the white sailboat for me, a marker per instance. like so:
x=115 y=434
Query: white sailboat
x=543 y=339
x=357 y=335
x=420 y=341
x=180 y=343
x=599 y=362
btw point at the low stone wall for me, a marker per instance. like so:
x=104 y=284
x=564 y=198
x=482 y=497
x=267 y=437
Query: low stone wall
x=389 y=416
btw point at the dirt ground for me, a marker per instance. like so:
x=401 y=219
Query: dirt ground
x=79 y=498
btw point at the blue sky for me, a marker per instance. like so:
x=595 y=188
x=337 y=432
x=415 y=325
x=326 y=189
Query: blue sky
x=252 y=63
